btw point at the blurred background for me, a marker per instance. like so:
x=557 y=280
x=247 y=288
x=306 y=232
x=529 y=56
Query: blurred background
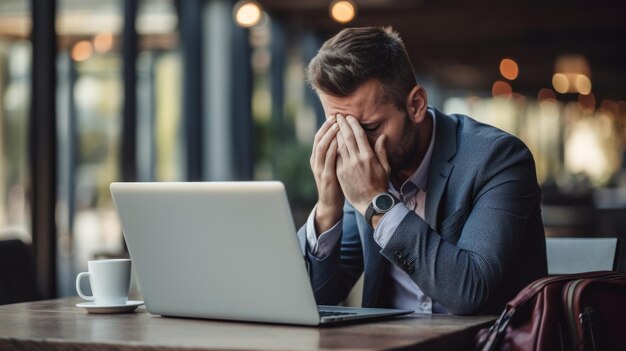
x=93 y=92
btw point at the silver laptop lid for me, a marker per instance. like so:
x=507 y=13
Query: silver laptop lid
x=209 y=250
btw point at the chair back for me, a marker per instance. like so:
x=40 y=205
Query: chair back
x=578 y=255
x=17 y=275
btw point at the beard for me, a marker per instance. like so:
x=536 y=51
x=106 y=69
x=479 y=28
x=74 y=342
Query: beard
x=403 y=153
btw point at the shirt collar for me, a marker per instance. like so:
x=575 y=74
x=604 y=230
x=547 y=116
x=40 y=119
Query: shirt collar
x=419 y=178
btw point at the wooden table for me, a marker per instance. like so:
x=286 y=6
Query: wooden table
x=59 y=325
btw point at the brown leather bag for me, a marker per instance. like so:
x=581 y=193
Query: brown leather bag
x=585 y=311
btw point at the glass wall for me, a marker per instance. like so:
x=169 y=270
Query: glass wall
x=15 y=85
x=284 y=114
x=89 y=103
x=90 y=111
x=160 y=152
x=577 y=146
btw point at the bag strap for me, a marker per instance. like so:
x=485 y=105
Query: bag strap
x=535 y=287
x=496 y=331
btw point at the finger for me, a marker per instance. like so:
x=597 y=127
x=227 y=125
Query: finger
x=330 y=164
x=321 y=148
x=330 y=121
x=381 y=153
x=359 y=134
x=323 y=129
x=342 y=148
x=348 y=136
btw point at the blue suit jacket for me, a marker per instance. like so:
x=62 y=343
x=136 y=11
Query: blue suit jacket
x=482 y=237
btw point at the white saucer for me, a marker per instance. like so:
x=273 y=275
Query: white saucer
x=91 y=307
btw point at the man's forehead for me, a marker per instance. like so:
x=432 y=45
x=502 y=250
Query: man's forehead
x=365 y=100
x=354 y=110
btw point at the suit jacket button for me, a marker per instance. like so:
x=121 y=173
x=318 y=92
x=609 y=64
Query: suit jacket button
x=398 y=255
x=407 y=267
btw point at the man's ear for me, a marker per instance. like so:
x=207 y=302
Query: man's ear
x=417 y=103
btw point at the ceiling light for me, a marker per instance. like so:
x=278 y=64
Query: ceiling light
x=343 y=11
x=247 y=13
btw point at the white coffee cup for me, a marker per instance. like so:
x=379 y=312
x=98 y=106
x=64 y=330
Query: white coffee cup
x=109 y=280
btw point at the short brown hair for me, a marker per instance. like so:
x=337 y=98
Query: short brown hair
x=357 y=55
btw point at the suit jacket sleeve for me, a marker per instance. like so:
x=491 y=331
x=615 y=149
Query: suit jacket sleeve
x=333 y=276
x=461 y=277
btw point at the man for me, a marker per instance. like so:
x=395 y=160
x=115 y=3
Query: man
x=441 y=213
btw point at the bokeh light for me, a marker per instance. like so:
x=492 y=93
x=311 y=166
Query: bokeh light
x=560 y=83
x=343 y=11
x=103 y=42
x=247 y=13
x=82 y=51
x=582 y=84
x=509 y=69
x=587 y=101
x=610 y=106
x=502 y=89
x=546 y=94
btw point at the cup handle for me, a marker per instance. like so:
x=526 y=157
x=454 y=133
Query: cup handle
x=80 y=293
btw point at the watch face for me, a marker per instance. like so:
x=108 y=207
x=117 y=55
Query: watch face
x=383 y=202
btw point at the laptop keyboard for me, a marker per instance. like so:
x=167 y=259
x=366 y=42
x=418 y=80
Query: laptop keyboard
x=335 y=313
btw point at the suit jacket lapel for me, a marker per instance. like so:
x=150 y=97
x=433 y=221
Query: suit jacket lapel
x=440 y=167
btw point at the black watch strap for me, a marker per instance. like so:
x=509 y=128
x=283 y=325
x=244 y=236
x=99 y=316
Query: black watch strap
x=369 y=213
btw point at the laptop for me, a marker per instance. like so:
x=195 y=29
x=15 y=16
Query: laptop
x=222 y=250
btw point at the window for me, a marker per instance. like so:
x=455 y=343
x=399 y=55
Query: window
x=15 y=83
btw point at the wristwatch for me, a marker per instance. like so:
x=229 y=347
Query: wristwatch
x=381 y=204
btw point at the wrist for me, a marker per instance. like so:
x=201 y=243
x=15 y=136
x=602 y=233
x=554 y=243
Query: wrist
x=376 y=218
x=326 y=217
